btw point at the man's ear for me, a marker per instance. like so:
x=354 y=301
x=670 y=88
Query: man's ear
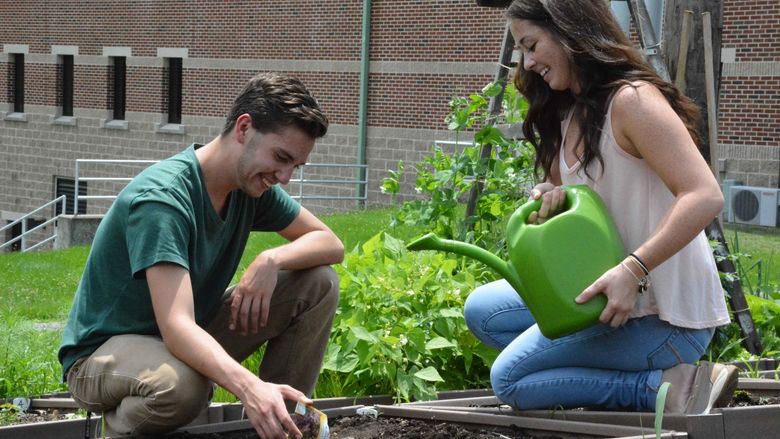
x=242 y=126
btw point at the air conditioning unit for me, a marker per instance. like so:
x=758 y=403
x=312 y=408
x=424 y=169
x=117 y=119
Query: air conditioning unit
x=754 y=205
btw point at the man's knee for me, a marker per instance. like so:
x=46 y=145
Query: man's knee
x=180 y=394
x=323 y=283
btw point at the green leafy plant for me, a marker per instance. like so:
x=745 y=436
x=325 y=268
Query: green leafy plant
x=754 y=274
x=28 y=364
x=8 y=413
x=391 y=184
x=399 y=329
x=446 y=177
x=761 y=293
x=660 y=403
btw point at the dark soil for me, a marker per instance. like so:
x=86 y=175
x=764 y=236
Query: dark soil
x=744 y=399
x=362 y=427
x=43 y=415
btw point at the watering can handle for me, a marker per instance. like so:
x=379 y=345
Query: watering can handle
x=529 y=206
x=533 y=205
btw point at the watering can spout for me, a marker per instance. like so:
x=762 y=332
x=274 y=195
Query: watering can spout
x=433 y=242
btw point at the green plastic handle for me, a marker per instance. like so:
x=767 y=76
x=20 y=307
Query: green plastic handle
x=534 y=205
x=524 y=211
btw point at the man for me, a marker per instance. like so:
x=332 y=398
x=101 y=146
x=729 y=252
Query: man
x=152 y=324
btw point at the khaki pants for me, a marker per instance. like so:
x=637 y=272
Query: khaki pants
x=141 y=388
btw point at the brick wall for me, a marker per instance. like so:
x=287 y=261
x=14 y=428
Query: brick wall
x=749 y=118
x=752 y=28
x=422 y=53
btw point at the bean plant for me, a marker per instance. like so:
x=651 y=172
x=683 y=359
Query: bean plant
x=399 y=329
x=446 y=178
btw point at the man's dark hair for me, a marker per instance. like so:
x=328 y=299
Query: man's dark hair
x=275 y=101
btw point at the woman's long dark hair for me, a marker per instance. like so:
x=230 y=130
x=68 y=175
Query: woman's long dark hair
x=603 y=59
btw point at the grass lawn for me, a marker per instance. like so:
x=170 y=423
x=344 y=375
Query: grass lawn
x=759 y=252
x=37 y=290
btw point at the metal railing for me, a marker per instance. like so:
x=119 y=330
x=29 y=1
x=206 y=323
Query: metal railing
x=77 y=178
x=301 y=182
x=24 y=236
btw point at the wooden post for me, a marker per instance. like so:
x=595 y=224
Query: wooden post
x=495 y=107
x=694 y=78
x=682 y=57
x=712 y=104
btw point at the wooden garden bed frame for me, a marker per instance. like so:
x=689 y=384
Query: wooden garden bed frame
x=475 y=407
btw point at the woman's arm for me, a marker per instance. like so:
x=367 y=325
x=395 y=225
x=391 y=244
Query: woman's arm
x=646 y=126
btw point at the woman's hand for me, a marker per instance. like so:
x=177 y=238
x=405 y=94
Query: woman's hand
x=553 y=197
x=622 y=292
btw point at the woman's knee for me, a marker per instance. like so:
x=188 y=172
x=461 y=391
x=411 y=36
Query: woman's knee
x=499 y=382
x=478 y=306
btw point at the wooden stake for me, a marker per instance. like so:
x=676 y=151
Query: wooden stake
x=739 y=305
x=712 y=107
x=682 y=57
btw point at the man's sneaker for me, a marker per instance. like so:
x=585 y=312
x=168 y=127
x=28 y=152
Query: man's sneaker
x=713 y=386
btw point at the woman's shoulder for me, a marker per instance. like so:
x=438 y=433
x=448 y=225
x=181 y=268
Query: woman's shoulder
x=636 y=95
x=635 y=90
x=639 y=102
x=638 y=110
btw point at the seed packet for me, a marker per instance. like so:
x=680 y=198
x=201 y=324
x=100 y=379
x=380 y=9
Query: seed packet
x=312 y=423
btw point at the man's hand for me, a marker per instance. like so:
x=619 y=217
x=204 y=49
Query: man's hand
x=265 y=409
x=172 y=298
x=311 y=243
x=251 y=299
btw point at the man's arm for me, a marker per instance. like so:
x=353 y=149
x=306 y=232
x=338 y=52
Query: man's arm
x=172 y=299
x=311 y=244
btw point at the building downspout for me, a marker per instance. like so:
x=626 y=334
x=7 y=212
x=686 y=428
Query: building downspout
x=363 y=105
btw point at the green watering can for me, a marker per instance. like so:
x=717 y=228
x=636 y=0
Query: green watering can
x=552 y=263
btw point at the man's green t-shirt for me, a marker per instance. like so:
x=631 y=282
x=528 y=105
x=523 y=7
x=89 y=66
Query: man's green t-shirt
x=163 y=215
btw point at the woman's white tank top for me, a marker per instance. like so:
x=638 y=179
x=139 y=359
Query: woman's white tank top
x=685 y=290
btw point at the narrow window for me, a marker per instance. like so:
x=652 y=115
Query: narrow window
x=65 y=186
x=16 y=230
x=17 y=90
x=174 y=90
x=118 y=77
x=66 y=84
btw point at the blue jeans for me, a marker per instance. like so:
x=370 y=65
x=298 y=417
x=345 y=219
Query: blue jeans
x=612 y=368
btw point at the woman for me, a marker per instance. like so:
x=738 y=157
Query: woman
x=604 y=118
